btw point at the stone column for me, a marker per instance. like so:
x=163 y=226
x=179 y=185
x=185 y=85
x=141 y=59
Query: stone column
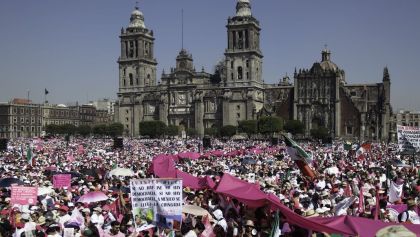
x=163 y=109
x=199 y=114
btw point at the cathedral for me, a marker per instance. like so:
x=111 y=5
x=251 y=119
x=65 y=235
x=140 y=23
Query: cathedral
x=318 y=97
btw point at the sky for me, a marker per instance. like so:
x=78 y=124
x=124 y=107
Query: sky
x=71 y=47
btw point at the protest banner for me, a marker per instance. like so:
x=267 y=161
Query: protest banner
x=24 y=195
x=156 y=202
x=408 y=138
x=62 y=180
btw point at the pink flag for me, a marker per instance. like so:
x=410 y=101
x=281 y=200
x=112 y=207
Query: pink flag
x=39 y=148
x=81 y=149
x=208 y=231
x=61 y=180
x=70 y=157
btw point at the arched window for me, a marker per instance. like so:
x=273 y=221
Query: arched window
x=239 y=73
x=131 y=79
x=148 y=79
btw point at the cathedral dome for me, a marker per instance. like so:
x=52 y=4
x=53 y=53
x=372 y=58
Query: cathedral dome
x=136 y=19
x=326 y=63
x=243 y=8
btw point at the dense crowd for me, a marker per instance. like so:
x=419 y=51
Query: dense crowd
x=374 y=184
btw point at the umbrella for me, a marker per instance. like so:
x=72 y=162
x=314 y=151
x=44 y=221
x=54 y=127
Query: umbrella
x=96 y=196
x=249 y=160
x=121 y=172
x=399 y=163
x=72 y=173
x=195 y=210
x=45 y=190
x=217 y=153
x=7 y=182
x=189 y=155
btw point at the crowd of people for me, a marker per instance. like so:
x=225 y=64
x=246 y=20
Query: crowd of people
x=378 y=183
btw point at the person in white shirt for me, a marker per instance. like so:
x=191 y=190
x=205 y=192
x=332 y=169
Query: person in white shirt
x=220 y=220
x=97 y=217
x=63 y=215
x=411 y=215
x=28 y=225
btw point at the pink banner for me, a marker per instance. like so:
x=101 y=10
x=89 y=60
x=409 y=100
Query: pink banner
x=24 y=195
x=62 y=180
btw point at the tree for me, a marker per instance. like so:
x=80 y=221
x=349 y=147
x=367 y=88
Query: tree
x=152 y=128
x=191 y=132
x=269 y=125
x=213 y=131
x=320 y=133
x=84 y=130
x=100 y=130
x=228 y=131
x=294 y=127
x=172 y=130
x=68 y=129
x=248 y=126
x=115 y=129
x=51 y=129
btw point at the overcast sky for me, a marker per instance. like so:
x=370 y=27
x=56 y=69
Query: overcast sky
x=71 y=47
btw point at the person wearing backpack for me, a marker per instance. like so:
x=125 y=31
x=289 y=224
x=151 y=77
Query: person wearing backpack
x=410 y=216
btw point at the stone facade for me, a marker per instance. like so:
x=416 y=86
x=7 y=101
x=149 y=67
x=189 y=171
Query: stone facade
x=29 y=120
x=20 y=120
x=319 y=96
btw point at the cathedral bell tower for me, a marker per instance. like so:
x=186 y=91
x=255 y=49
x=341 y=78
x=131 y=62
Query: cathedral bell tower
x=137 y=66
x=243 y=54
x=137 y=70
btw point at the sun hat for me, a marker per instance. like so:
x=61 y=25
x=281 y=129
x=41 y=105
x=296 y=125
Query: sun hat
x=311 y=213
x=249 y=223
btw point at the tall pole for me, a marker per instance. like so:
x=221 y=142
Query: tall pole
x=28 y=92
x=182 y=28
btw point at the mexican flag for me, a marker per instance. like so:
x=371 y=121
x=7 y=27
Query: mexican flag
x=365 y=147
x=275 y=231
x=29 y=156
x=296 y=152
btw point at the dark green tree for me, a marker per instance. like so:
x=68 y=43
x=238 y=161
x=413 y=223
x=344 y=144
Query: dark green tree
x=294 y=127
x=152 y=129
x=213 y=131
x=248 y=126
x=172 y=130
x=100 y=130
x=84 y=130
x=191 y=132
x=320 y=133
x=115 y=129
x=68 y=129
x=228 y=131
x=269 y=125
x=51 y=129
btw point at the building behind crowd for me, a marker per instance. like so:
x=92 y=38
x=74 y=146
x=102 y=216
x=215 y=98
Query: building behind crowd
x=404 y=118
x=22 y=118
x=319 y=96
